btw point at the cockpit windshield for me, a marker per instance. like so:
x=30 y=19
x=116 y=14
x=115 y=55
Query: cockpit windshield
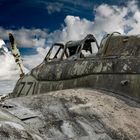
x=55 y=52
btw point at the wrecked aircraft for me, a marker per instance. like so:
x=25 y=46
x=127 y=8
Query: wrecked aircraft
x=115 y=67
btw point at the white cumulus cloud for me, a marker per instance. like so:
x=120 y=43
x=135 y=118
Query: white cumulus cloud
x=108 y=18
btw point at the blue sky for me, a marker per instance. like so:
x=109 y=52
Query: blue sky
x=48 y=14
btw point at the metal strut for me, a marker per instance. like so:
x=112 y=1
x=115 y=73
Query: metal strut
x=16 y=54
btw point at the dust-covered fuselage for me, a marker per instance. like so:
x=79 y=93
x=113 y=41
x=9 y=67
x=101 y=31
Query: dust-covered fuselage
x=115 y=67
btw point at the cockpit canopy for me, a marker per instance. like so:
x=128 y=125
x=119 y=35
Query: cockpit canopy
x=113 y=44
x=72 y=49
